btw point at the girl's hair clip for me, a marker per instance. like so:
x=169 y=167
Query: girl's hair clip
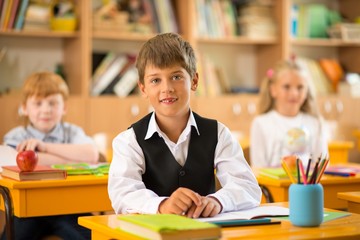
x=270 y=73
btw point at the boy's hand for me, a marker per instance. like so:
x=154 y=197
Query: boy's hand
x=32 y=144
x=180 y=202
x=210 y=207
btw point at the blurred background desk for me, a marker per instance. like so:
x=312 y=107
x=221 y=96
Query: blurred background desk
x=332 y=185
x=75 y=194
x=352 y=199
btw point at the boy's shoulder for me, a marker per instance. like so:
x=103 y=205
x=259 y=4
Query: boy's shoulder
x=16 y=131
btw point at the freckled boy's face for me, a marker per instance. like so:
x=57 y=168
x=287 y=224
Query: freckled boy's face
x=45 y=113
x=168 y=89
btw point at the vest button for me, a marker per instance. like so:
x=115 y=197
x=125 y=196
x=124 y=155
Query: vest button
x=182 y=173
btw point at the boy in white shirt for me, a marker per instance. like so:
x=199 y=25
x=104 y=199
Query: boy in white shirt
x=165 y=162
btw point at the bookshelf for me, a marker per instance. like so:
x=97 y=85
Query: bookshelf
x=244 y=60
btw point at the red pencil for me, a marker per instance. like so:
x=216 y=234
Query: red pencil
x=302 y=172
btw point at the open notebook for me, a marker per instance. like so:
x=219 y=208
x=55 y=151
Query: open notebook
x=7 y=156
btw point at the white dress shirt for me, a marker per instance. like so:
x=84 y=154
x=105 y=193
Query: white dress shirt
x=128 y=193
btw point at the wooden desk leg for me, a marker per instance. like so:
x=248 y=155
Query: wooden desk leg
x=9 y=216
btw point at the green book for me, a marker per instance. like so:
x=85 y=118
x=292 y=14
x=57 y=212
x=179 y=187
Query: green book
x=276 y=173
x=167 y=226
x=83 y=168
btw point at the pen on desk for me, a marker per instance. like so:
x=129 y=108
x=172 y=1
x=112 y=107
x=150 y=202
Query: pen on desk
x=342 y=174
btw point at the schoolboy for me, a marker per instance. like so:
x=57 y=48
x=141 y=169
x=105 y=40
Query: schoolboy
x=165 y=162
x=43 y=105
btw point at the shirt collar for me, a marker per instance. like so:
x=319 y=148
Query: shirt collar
x=154 y=127
x=55 y=133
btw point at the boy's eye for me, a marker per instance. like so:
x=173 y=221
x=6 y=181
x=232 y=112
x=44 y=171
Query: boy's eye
x=154 y=81
x=53 y=103
x=176 y=77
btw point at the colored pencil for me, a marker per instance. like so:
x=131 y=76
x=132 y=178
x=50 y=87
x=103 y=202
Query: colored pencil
x=302 y=172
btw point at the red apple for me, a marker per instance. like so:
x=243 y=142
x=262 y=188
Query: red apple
x=27 y=160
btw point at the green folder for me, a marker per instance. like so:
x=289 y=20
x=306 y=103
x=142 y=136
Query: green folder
x=83 y=168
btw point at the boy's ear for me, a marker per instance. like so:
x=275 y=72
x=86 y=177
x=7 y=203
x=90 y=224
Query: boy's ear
x=22 y=110
x=194 y=82
x=142 y=89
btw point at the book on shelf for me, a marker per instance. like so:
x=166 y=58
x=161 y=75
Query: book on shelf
x=40 y=173
x=19 y=21
x=7 y=15
x=13 y=13
x=167 y=226
x=3 y=13
x=125 y=81
x=110 y=70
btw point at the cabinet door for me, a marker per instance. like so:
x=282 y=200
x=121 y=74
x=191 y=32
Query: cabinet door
x=113 y=115
x=235 y=111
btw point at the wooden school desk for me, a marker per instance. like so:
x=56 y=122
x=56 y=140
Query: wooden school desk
x=102 y=227
x=352 y=199
x=332 y=185
x=75 y=194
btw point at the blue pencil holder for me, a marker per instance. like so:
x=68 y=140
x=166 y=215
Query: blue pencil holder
x=306 y=204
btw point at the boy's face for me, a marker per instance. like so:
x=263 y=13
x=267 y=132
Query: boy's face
x=289 y=92
x=168 y=90
x=44 y=113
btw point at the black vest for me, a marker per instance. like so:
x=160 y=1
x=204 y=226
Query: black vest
x=164 y=174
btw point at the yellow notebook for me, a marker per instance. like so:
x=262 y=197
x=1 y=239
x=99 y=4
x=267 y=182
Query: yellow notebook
x=167 y=226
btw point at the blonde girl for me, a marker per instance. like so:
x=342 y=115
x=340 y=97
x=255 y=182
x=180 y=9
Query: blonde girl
x=288 y=121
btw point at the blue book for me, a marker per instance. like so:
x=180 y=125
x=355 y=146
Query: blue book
x=21 y=15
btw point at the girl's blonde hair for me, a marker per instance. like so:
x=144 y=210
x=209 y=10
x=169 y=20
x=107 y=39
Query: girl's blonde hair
x=266 y=101
x=43 y=84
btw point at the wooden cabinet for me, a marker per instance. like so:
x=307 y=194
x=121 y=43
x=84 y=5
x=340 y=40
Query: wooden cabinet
x=243 y=59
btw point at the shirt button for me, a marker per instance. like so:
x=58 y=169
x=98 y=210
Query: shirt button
x=182 y=173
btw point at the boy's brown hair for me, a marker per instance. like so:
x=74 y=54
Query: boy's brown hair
x=43 y=84
x=165 y=50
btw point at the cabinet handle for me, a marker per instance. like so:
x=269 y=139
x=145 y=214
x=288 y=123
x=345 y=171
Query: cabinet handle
x=251 y=108
x=134 y=110
x=236 y=108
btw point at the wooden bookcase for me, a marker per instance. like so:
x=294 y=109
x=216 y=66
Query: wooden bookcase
x=246 y=60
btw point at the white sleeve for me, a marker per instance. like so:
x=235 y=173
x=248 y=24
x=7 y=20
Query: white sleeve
x=240 y=189
x=258 y=156
x=126 y=189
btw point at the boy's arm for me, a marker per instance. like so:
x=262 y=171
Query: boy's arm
x=127 y=191
x=70 y=153
x=53 y=153
x=240 y=189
